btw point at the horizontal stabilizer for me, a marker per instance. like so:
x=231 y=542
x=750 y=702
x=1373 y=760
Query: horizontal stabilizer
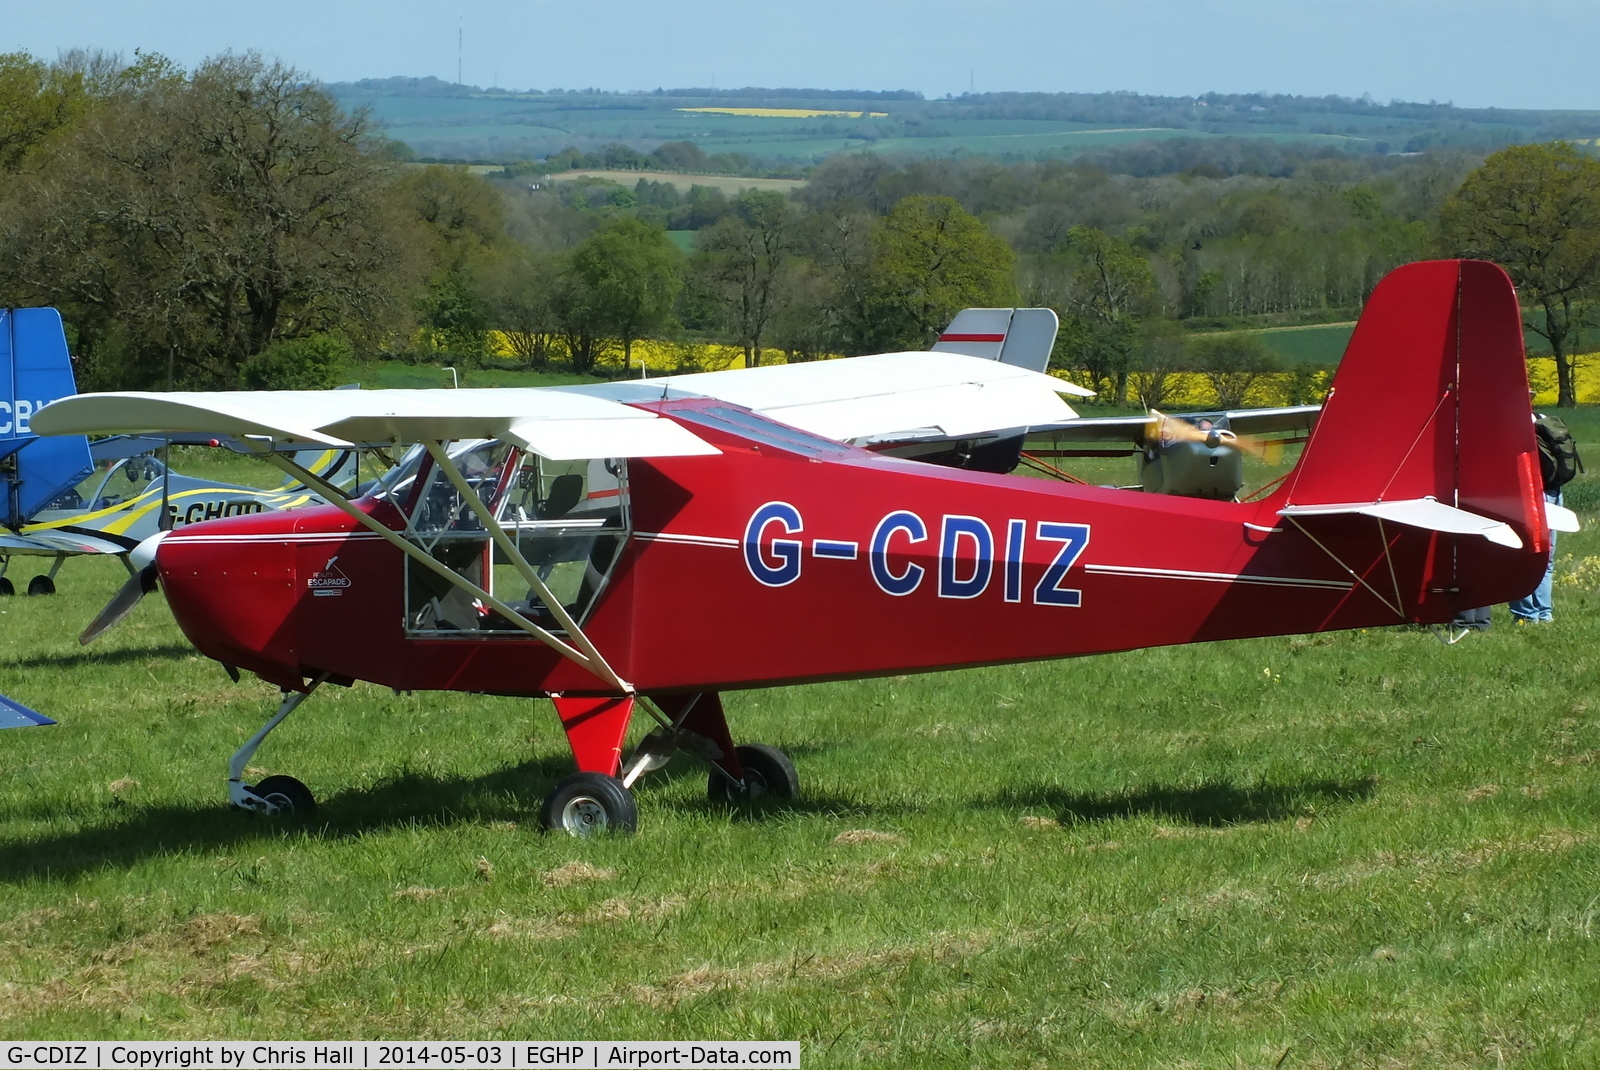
x=1423 y=513
x=16 y=715
x=1559 y=517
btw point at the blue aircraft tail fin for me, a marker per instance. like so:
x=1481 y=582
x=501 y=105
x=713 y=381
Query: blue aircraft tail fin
x=35 y=370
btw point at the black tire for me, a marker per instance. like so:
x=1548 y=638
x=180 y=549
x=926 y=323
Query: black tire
x=41 y=585
x=768 y=773
x=7 y=588
x=287 y=794
x=586 y=804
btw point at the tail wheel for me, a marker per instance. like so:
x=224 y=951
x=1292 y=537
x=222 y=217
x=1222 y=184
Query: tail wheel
x=587 y=804
x=287 y=794
x=41 y=585
x=768 y=773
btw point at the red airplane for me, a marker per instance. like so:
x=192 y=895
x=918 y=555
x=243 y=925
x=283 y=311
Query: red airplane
x=647 y=546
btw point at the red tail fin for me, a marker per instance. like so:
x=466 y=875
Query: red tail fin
x=1431 y=401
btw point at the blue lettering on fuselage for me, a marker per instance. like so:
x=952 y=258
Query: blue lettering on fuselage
x=1074 y=539
x=785 y=552
x=956 y=531
x=968 y=554
x=906 y=581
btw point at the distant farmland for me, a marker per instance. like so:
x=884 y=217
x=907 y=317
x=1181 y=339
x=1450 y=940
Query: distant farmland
x=472 y=125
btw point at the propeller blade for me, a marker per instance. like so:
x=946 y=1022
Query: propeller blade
x=1163 y=429
x=139 y=584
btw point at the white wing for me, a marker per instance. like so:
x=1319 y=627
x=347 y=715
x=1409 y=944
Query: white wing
x=887 y=396
x=891 y=395
x=568 y=425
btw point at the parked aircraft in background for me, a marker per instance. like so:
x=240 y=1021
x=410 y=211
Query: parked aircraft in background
x=66 y=496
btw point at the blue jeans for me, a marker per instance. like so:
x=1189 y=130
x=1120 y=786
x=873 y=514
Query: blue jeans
x=1537 y=606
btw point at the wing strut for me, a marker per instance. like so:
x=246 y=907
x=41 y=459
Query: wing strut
x=585 y=654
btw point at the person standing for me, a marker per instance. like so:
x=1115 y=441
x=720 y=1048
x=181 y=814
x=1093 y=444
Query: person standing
x=1558 y=463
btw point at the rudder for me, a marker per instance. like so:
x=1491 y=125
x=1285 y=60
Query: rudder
x=1431 y=401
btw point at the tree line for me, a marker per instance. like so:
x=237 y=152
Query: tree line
x=231 y=225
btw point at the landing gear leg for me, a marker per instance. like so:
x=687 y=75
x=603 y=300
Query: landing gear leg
x=739 y=774
x=592 y=800
x=46 y=584
x=275 y=794
x=746 y=773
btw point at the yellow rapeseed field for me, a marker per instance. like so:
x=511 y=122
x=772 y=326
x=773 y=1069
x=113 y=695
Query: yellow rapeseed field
x=660 y=357
x=1188 y=390
x=1542 y=377
x=792 y=113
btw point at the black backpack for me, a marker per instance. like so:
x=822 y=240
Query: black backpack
x=1558 y=453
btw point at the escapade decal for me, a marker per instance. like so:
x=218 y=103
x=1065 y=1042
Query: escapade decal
x=967 y=556
x=328 y=581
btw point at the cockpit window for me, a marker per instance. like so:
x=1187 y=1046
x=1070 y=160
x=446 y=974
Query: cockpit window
x=568 y=520
x=111 y=484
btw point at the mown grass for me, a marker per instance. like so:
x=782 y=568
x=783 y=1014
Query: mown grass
x=1359 y=849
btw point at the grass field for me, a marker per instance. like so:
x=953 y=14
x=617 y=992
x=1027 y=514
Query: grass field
x=1357 y=849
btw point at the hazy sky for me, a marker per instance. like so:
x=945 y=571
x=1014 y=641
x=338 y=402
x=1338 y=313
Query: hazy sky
x=1507 y=53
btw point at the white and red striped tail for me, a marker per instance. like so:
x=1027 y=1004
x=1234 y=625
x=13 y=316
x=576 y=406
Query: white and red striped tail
x=1022 y=337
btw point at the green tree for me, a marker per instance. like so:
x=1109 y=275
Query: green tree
x=628 y=270
x=578 y=318
x=456 y=317
x=930 y=260
x=1233 y=364
x=1535 y=211
x=1162 y=354
x=463 y=218
x=519 y=299
x=319 y=362
x=1107 y=295
x=840 y=243
x=741 y=263
x=209 y=216
x=36 y=100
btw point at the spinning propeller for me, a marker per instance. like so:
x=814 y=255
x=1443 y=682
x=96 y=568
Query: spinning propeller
x=1164 y=430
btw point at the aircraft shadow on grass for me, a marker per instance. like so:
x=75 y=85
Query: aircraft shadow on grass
x=91 y=658
x=1214 y=804
x=512 y=793
x=408 y=799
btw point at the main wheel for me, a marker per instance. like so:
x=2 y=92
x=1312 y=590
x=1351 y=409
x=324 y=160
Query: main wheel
x=7 y=587
x=768 y=773
x=287 y=794
x=41 y=585
x=588 y=803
